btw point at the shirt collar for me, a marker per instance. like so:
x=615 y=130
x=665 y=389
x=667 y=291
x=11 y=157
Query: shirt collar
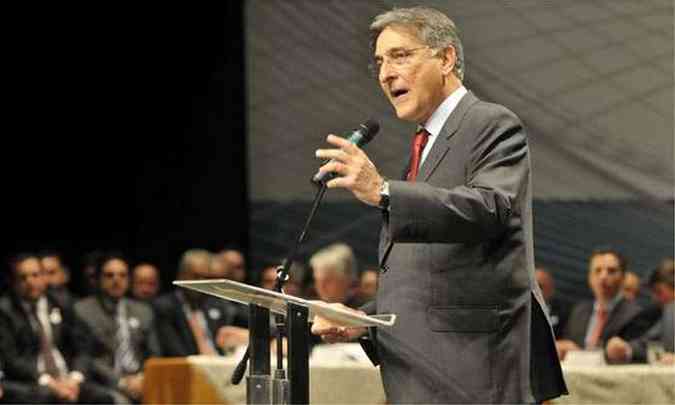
x=610 y=305
x=435 y=123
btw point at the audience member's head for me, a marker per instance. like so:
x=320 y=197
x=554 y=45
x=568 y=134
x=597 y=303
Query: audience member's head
x=89 y=262
x=333 y=268
x=195 y=264
x=237 y=264
x=27 y=277
x=219 y=268
x=546 y=283
x=606 y=268
x=662 y=282
x=145 y=281
x=368 y=284
x=631 y=286
x=268 y=277
x=112 y=275
x=57 y=274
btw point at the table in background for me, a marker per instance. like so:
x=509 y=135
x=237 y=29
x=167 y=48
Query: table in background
x=341 y=375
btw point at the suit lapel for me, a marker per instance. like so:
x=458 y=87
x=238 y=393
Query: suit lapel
x=442 y=144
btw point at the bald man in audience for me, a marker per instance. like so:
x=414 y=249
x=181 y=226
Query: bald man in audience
x=145 y=282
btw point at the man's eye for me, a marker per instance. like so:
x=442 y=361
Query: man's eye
x=399 y=55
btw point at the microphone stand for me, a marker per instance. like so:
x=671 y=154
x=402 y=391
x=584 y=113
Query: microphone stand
x=298 y=393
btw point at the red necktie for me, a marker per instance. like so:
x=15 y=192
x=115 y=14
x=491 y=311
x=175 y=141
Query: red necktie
x=600 y=321
x=419 y=142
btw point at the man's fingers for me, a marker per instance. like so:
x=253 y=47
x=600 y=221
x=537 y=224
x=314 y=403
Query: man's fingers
x=340 y=182
x=336 y=154
x=334 y=167
x=342 y=143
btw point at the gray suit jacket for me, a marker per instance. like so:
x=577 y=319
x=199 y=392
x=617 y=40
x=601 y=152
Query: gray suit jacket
x=104 y=328
x=458 y=270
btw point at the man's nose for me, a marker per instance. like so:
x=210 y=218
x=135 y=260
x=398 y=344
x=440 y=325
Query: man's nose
x=387 y=73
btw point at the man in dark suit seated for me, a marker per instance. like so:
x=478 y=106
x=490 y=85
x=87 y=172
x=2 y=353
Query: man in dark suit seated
x=122 y=328
x=12 y=392
x=592 y=323
x=662 y=284
x=189 y=322
x=558 y=310
x=44 y=343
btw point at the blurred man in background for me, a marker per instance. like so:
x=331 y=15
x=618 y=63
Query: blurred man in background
x=592 y=323
x=190 y=322
x=237 y=264
x=145 y=282
x=558 y=311
x=631 y=286
x=123 y=330
x=662 y=285
x=58 y=277
x=333 y=268
x=367 y=288
x=45 y=343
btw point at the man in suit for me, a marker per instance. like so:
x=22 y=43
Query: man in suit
x=58 y=277
x=43 y=342
x=189 y=322
x=456 y=241
x=662 y=284
x=558 y=311
x=122 y=328
x=592 y=323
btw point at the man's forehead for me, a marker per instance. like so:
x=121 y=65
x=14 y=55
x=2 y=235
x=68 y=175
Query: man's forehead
x=396 y=37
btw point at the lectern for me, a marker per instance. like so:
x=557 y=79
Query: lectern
x=262 y=386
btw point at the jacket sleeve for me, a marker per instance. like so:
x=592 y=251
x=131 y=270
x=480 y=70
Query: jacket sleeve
x=16 y=367
x=496 y=173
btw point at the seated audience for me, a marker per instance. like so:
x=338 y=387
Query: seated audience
x=558 y=311
x=58 y=277
x=662 y=285
x=333 y=268
x=43 y=342
x=236 y=263
x=592 y=323
x=145 y=282
x=631 y=286
x=122 y=328
x=190 y=322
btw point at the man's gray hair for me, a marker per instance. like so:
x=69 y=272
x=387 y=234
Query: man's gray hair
x=433 y=27
x=190 y=257
x=337 y=258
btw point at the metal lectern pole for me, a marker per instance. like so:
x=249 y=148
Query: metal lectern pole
x=298 y=353
x=258 y=382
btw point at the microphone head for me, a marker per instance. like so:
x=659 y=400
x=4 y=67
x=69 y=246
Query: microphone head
x=370 y=129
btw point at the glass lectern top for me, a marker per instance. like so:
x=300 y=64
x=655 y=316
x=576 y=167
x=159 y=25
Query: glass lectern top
x=277 y=302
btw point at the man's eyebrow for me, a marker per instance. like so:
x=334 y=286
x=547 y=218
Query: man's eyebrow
x=390 y=50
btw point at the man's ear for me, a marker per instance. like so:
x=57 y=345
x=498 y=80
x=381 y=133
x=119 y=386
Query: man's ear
x=449 y=57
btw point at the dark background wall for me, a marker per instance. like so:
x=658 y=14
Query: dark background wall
x=126 y=130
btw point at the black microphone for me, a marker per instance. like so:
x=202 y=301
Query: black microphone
x=359 y=137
